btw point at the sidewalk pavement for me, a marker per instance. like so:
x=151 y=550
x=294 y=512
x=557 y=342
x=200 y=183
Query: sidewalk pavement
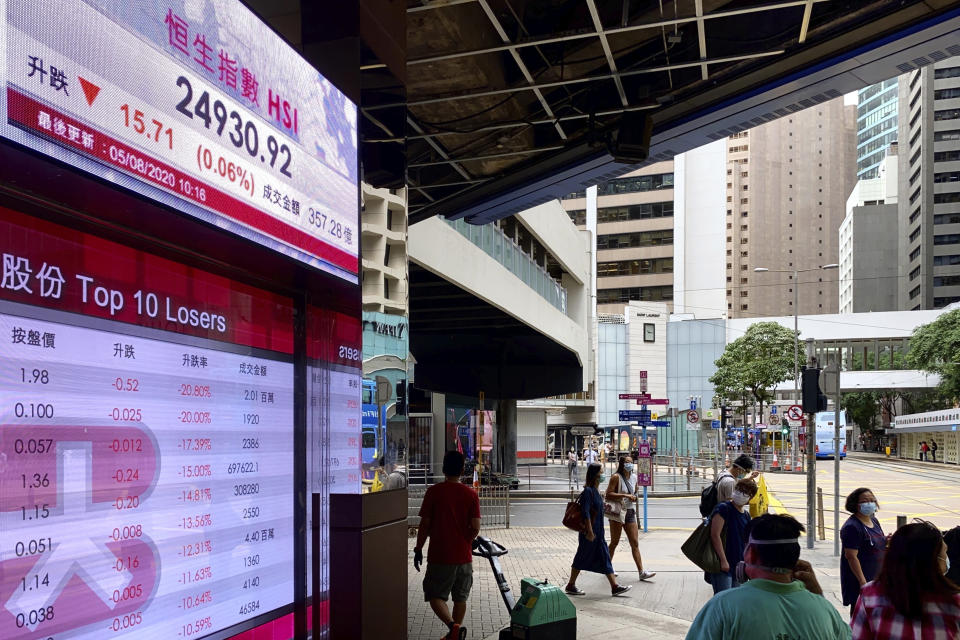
x=665 y=605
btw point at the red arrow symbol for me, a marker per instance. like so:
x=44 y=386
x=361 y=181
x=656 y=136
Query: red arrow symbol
x=90 y=90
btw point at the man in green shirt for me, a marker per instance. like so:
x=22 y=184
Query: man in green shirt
x=779 y=599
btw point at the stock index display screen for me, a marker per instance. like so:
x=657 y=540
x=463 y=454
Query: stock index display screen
x=147 y=438
x=198 y=105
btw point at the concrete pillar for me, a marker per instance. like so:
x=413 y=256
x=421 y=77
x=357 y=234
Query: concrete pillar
x=438 y=435
x=507 y=436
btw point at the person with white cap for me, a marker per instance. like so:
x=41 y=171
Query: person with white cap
x=779 y=596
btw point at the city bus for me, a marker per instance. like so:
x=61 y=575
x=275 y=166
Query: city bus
x=824 y=426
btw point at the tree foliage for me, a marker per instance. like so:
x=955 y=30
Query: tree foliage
x=755 y=363
x=935 y=348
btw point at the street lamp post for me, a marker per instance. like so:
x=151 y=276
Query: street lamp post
x=796 y=358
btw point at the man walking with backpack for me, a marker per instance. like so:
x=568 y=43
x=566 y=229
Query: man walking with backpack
x=721 y=489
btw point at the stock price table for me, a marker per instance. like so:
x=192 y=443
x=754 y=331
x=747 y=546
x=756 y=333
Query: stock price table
x=144 y=483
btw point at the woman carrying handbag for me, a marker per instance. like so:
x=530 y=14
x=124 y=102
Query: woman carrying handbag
x=623 y=489
x=592 y=552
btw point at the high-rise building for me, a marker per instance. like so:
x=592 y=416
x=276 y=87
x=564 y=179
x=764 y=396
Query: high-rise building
x=634 y=236
x=787 y=186
x=868 y=242
x=876 y=126
x=929 y=186
x=699 y=220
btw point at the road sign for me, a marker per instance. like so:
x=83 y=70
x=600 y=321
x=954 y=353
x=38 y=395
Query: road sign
x=773 y=410
x=714 y=424
x=643 y=374
x=633 y=396
x=582 y=430
x=634 y=416
x=774 y=419
x=795 y=412
x=649 y=400
x=643 y=385
x=693 y=416
x=693 y=405
x=659 y=423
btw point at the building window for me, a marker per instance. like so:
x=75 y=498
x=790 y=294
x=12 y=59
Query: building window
x=914 y=292
x=947 y=176
x=649 y=332
x=916 y=272
x=634 y=267
x=637 y=239
x=943 y=136
x=946 y=72
x=647 y=294
x=946 y=94
x=915 y=254
x=946 y=156
x=946 y=114
x=940 y=261
x=630 y=185
x=744 y=293
x=915 y=234
x=946 y=281
x=744 y=307
x=946 y=218
x=635 y=212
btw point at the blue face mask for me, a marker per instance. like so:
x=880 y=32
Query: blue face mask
x=868 y=508
x=628 y=466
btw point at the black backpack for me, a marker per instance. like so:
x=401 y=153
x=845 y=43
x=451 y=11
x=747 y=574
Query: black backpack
x=708 y=497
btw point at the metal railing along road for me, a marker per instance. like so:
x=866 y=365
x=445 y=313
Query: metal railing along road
x=494 y=506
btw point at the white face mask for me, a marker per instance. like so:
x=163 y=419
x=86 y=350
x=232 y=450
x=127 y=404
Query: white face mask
x=740 y=498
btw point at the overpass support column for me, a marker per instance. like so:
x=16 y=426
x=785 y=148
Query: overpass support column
x=438 y=435
x=507 y=436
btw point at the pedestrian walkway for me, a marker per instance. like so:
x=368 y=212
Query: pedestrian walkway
x=665 y=605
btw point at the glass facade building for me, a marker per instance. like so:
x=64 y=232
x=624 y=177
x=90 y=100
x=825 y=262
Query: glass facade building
x=876 y=126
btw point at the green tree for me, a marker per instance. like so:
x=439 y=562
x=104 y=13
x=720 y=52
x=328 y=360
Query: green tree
x=755 y=363
x=863 y=408
x=935 y=348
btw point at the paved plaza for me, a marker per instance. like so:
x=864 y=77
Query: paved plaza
x=664 y=605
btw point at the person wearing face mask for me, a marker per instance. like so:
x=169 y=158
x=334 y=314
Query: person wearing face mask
x=623 y=486
x=592 y=551
x=741 y=467
x=729 y=517
x=863 y=545
x=911 y=598
x=779 y=597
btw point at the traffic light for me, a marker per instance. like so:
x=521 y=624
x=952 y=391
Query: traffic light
x=726 y=416
x=785 y=430
x=812 y=395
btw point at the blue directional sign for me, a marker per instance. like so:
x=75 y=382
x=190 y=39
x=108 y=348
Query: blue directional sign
x=773 y=410
x=659 y=423
x=693 y=405
x=634 y=416
x=714 y=424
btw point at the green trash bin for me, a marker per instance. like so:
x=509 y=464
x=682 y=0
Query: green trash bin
x=544 y=612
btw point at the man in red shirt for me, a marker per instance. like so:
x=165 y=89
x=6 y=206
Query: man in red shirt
x=450 y=517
